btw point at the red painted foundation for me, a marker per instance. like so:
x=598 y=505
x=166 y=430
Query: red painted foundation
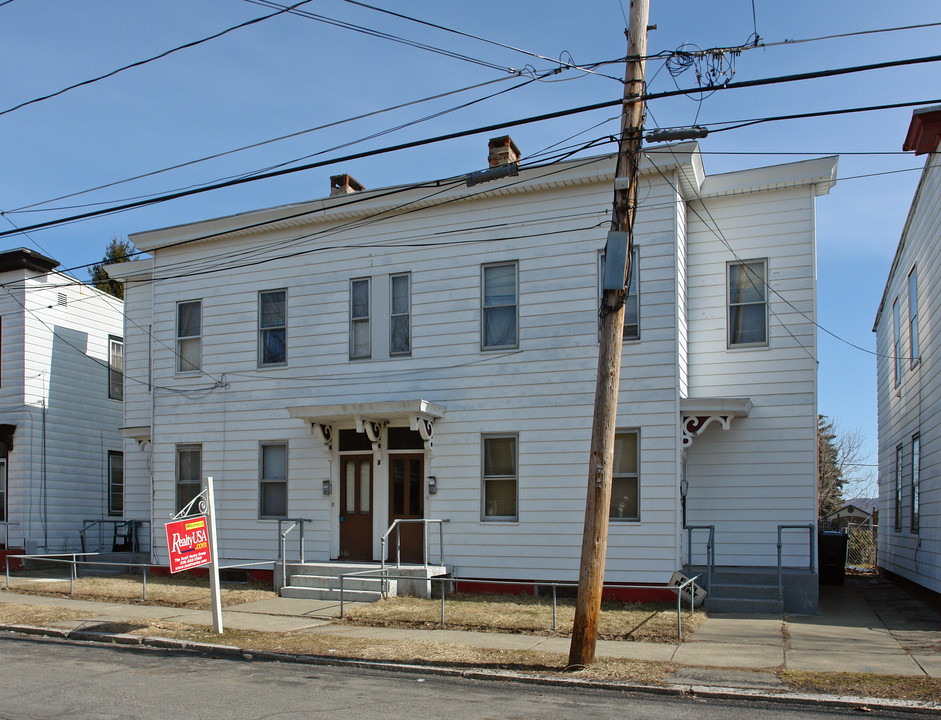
x=609 y=594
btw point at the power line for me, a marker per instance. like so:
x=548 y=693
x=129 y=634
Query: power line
x=460 y=134
x=850 y=34
x=164 y=54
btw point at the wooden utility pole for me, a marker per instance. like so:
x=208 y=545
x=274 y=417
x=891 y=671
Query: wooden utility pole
x=595 y=538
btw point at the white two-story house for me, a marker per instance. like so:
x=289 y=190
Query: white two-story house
x=429 y=351
x=909 y=386
x=61 y=390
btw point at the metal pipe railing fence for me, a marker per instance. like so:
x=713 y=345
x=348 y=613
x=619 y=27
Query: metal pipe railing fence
x=6 y=532
x=282 y=544
x=687 y=586
x=130 y=530
x=397 y=523
x=710 y=549
x=812 y=544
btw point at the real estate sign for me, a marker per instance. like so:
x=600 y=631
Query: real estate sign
x=188 y=543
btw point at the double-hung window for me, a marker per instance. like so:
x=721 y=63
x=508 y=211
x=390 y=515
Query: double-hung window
x=916 y=480
x=115 y=367
x=499 y=306
x=189 y=331
x=360 y=346
x=913 y=314
x=625 y=479
x=272 y=328
x=898 y=488
x=896 y=344
x=189 y=473
x=748 y=305
x=500 y=477
x=400 y=330
x=273 y=490
x=115 y=483
x=631 y=300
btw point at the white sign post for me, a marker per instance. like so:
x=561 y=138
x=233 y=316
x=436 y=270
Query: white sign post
x=214 y=595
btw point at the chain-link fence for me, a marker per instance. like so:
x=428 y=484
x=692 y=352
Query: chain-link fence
x=861 y=548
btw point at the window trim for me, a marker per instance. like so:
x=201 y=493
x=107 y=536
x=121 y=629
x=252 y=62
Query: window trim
x=898 y=487
x=913 y=316
x=367 y=319
x=728 y=305
x=178 y=364
x=112 y=456
x=635 y=431
x=185 y=447
x=633 y=282
x=261 y=330
x=113 y=341
x=262 y=480
x=916 y=483
x=484 y=307
x=484 y=478
x=897 y=347
x=407 y=315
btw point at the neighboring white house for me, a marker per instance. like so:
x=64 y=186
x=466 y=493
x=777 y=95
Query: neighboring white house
x=908 y=382
x=430 y=351
x=61 y=389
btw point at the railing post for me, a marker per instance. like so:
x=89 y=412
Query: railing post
x=382 y=553
x=442 y=600
x=813 y=546
x=341 y=597
x=302 y=540
x=398 y=546
x=145 y=582
x=780 y=580
x=424 y=535
x=72 y=576
x=7 y=558
x=555 y=621
x=441 y=543
x=679 y=620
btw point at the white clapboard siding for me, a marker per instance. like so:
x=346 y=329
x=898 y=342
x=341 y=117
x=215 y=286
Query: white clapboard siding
x=552 y=224
x=914 y=407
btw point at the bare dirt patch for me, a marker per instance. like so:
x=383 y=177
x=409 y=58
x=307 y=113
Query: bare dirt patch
x=650 y=622
x=166 y=591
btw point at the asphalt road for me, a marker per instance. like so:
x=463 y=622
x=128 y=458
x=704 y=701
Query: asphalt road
x=47 y=678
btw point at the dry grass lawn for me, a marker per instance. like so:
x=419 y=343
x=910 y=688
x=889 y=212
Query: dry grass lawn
x=899 y=687
x=167 y=591
x=652 y=622
x=12 y=614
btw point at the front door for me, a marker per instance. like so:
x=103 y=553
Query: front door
x=356 y=507
x=406 y=501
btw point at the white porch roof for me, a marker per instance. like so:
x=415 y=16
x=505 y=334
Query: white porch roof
x=696 y=414
x=388 y=410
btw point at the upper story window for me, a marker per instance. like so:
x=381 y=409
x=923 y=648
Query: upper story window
x=499 y=311
x=748 y=305
x=115 y=367
x=898 y=488
x=272 y=327
x=500 y=477
x=400 y=329
x=625 y=479
x=189 y=331
x=360 y=346
x=896 y=343
x=913 y=314
x=916 y=480
x=631 y=301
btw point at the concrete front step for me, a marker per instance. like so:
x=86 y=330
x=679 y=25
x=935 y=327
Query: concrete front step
x=321 y=580
x=331 y=582
x=314 y=593
x=749 y=591
x=744 y=605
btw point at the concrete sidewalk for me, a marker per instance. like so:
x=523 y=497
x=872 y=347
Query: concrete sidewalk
x=866 y=626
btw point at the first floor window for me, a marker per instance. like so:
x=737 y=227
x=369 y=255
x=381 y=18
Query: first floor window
x=189 y=331
x=273 y=493
x=499 y=306
x=898 y=488
x=189 y=473
x=272 y=328
x=625 y=480
x=500 y=477
x=916 y=480
x=748 y=307
x=360 y=346
x=115 y=483
x=115 y=367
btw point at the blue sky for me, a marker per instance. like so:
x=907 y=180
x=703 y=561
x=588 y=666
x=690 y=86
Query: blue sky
x=290 y=73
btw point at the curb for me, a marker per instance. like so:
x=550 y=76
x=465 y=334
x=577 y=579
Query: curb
x=844 y=702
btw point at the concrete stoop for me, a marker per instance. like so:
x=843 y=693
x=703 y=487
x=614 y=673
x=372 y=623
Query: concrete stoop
x=321 y=581
x=754 y=590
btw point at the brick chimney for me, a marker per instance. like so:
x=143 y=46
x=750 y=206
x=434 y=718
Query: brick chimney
x=344 y=185
x=503 y=151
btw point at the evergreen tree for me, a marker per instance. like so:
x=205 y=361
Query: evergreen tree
x=829 y=471
x=117 y=251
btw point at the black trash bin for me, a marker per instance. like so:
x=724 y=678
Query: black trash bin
x=831 y=556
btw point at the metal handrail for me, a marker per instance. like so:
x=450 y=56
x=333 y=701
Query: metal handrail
x=812 y=547
x=398 y=539
x=678 y=589
x=6 y=532
x=282 y=546
x=710 y=549
x=134 y=524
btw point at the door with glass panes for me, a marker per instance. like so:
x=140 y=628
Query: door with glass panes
x=406 y=502
x=356 y=507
